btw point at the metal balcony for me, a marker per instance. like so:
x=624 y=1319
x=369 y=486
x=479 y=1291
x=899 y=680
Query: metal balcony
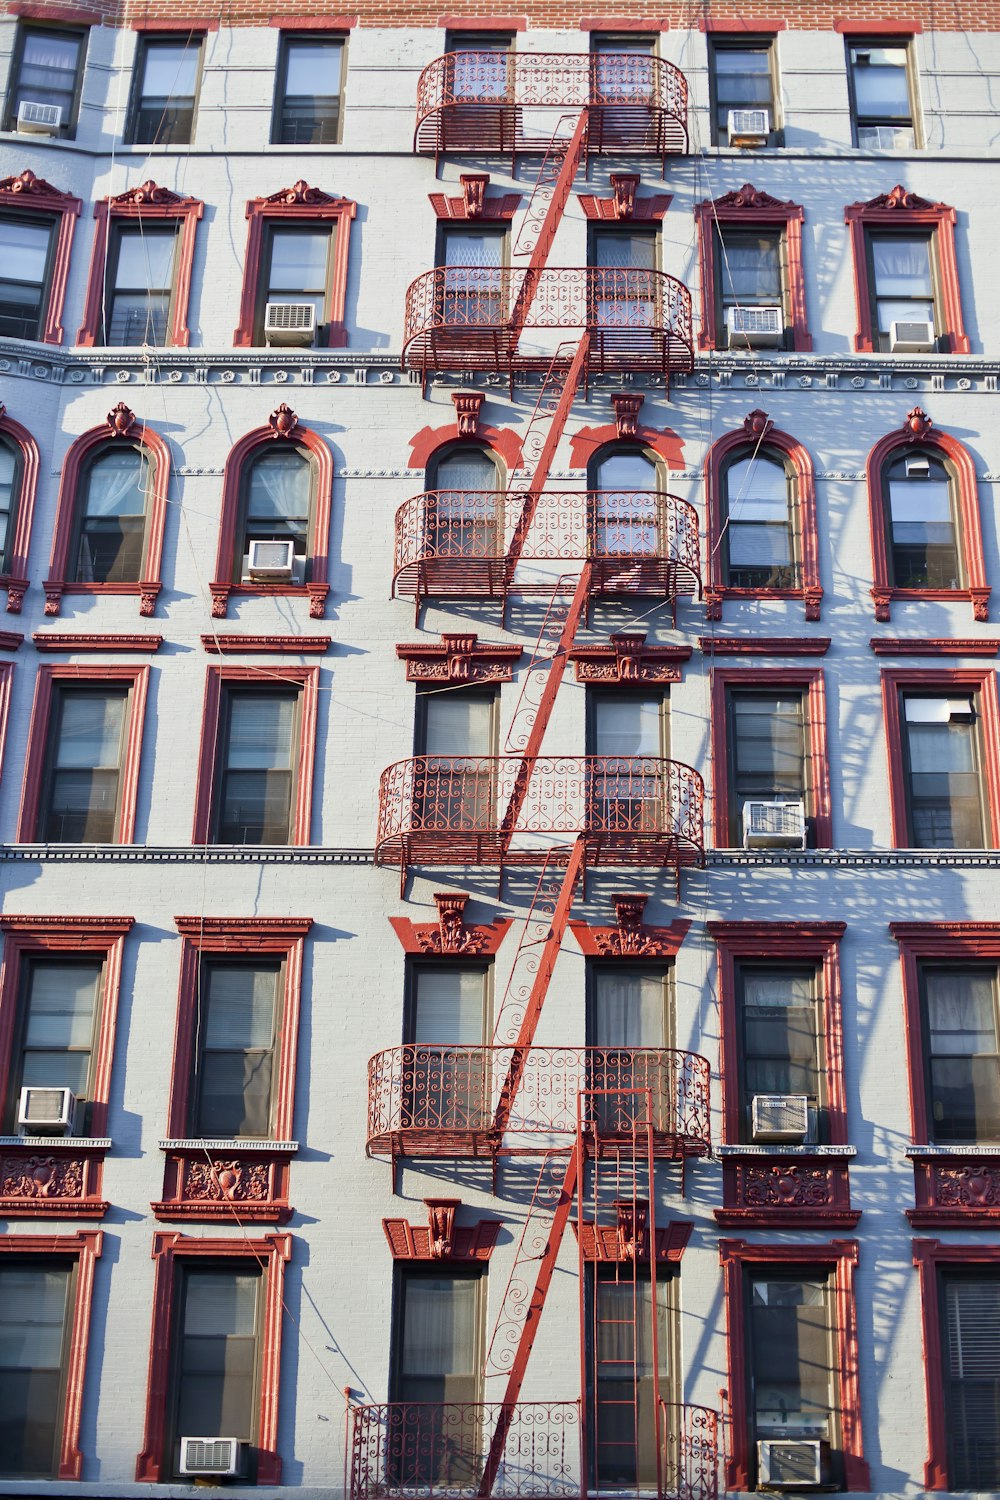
x=505 y=318
x=432 y=1101
x=508 y=103
x=456 y=810
x=454 y=543
x=438 y=1451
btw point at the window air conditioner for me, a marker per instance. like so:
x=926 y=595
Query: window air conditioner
x=290 y=323
x=46 y=1111
x=779 y=1117
x=221 y=1457
x=270 y=562
x=911 y=338
x=748 y=127
x=34 y=118
x=774 y=825
x=756 y=327
x=787 y=1463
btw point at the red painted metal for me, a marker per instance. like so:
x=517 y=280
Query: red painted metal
x=548 y=421
x=531 y=950
x=482 y=102
x=545 y=210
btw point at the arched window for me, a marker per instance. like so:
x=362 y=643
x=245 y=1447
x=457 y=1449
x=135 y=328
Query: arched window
x=759 y=544
x=464 y=516
x=10 y=494
x=922 y=531
x=625 y=503
x=112 y=505
x=277 y=506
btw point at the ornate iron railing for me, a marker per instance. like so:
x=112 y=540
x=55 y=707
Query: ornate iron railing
x=437 y=1451
x=444 y=537
x=438 y=1097
x=454 y=809
x=479 y=100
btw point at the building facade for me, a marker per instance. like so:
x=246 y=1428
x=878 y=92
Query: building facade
x=500 y=792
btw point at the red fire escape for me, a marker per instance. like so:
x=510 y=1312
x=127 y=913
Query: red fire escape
x=600 y=1118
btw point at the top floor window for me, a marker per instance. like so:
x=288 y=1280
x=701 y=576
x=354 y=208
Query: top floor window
x=622 y=68
x=480 y=67
x=308 y=91
x=165 y=90
x=45 y=78
x=741 y=78
x=882 y=112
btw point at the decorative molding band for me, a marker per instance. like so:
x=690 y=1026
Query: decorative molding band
x=274 y=645
x=191 y=1144
x=741 y=1150
x=885 y=645
x=10 y=640
x=441 y=1238
x=777 y=645
x=51 y=640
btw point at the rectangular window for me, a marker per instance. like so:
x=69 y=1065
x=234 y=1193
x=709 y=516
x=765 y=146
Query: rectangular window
x=258 y=755
x=901 y=277
x=971 y=1359
x=46 y=70
x=630 y=1024
x=139 y=284
x=741 y=77
x=34 y=1309
x=237 y=1025
x=296 y=267
x=783 y=1041
x=475 y=276
x=962 y=1052
x=881 y=102
x=25 y=268
x=438 y=1438
x=627 y=736
x=791 y=1355
x=752 y=274
x=56 y=1029
x=165 y=90
x=481 y=66
x=216 y=1374
x=622 y=69
x=308 y=90
x=457 y=732
x=447 y=1027
x=622 y=1391
x=81 y=795
x=622 y=282
x=767 y=751
x=941 y=759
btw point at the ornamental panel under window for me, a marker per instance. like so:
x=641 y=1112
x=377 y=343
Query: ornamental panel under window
x=741 y=78
x=767 y=749
x=139 y=285
x=971 y=1359
x=44 y=90
x=165 y=90
x=791 y=1361
x=308 y=91
x=34 y=1317
x=882 y=113
x=26 y=249
x=55 y=1032
x=942 y=759
x=256 y=775
x=81 y=795
x=111 y=520
x=216 y=1377
x=923 y=533
x=783 y=1054
x=759 y=545
x=962 y=1054
x=235 y=1065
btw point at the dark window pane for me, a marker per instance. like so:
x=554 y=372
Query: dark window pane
x=164 y=111
x=309 y=111
x=236 y=1025
x=791 y=1357
x=9 y=483
x=217 y=1356
x=139 y=300
x=942 y=752
x=50 y=65
x=58 y=1029
x=881 y=97
x=972 y=1380
x=257 y=770
x=963 y=1054
x=298 y=261
x=769 y=749
x=24 y=261
x=86 y=765
x=759 y=543
x=742 y=77
x=782 y=1039
x=113 y=519
x=32 y=1326
x=923 y=539
x=279 y=496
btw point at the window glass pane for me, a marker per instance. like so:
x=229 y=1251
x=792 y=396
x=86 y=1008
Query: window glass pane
x=479 y=66
x=32 y=1322
x=769 y=748
x=48 y=73
x=164 y=106
x=902 y=266
x=942 y=755
x=458 y=724
x=309 y=113
x=299 y=262
x=240 y=1003
x=964 y=1061
x=236 y=1064
x=314 y=68
x=8 y=478
x=439 y=1327
x=24 y=256
x=61 y=1004
x=972 y=1380
x=146 y=258
x=464 y=247
x=170 y=69
x=626 y=471
x=113 y=523
x=629 y=1010
x=279 y=495
x=626 y=726
x=790 y=1351
x=257 y=789
x=449 y=1006
x=751 y=268
x=218 y=1354
x=140 y=298
x=631 y=251
x=90 y=730
x=260 y=730
x=781 y=1034
x=880 y=82
x=86 y=760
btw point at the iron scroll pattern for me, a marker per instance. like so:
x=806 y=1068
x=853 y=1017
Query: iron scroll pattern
x=690 y=1436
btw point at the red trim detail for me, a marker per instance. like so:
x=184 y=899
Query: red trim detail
x=785 y=942
x=261 y=645
x=624 y=204
x=11 y=640
x=624 y=23
x=450 y=935
x=441 y=1239
x=810 y=679
x=749 y=208
x=37 y=1182
x=16 y=581
x=271 y=1252
x=483 y=23
x=627 y=659
x=308 y=679
x=928 y=1256
x=296 y=204
x=970 y=679
x=628 y=1240
x=314 y=23
x=6 y=675
x=231 y=1184
x=459 y=658
x=38 y=729
x=142 y=204
x=53 y=12
x=101 y=935
x=281 y=937
x=630 y=938
x=786 y=1192
x=918 y=428
x=33 y=194
x=842 y=1256
x=85 y=1248
x=501 y=440
x=475 y=203
x=907 y=211
x=317 y=588
x=885 y=645
x=749 y=439
x=51 y=640
x=175 y=23
x=775 y=645
x=756 y=24
x=149 y=440
x=863 y=27
x=664 y=442
x=955 y=1191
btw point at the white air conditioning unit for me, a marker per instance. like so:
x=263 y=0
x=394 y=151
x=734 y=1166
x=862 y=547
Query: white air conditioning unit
x=788 y=1463
x=779 y=1117
x=290 y=323
x=756 y=327
x=270 y=562
x=774 y=825
x=46 y=1111
x=748 y=127
x=34 y=118
x=911 y=338
x=221 y=1457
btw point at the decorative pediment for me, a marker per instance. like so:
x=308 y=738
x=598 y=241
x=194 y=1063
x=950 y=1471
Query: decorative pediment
x=627 y=658
x=468 y=405
x=624 y=203
x=897 y=197
x=458 y=658
x=450 y=934
x=628 y=1239
x=474 y=202
x=627 y=408
x=27 y=185
x=442 y=1238
x=147 y=192
x=301 y=192
x=751 y=199
x=630 y=938
x=283 y=421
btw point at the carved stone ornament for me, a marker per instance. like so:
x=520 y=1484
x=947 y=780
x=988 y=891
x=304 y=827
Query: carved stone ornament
x=232 y=1181
x=468 y=405
x=41 y=1177
x=917 y=425
x=450 y=935
x=749 y=197
x=898 y=197
x=789 y=1192
x=282 y=421
x=788 y=1185
x=458 y=658
x=813 y=596
x=474 y=202
x=27 y=183
x=300 y=192
x=148 y=192
x=630 y=938
x=441 y=1226
x=623 y=191
x=628 y=1239
x=882 y=595
x=36 y=1184
x=120 y=420
x=627 y=408
x=474 y=185
x=442 y=1238
x=245 y=1185
x=971 y=1185
x=757 y=424
x=632 y=1228
x=16 y=590
x=3 y=411
x=627 y=658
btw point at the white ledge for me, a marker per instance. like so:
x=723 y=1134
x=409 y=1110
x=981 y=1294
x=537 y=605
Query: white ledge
x=237 y=1143
x=953 y=1150
x=775 y=1149
x=59 y=1142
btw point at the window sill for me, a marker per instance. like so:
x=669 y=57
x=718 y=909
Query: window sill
x=316 y=593
x=811 y=594
x=52 y=1177
x=147 y=592
x=955 y=1186
x=798 y=1187
x=783 y=1150
x=883 y=595
x=239 y=1181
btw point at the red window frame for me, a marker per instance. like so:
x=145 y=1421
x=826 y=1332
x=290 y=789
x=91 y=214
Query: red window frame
x=811 y=681
x=899 y=209
x=930 y=1257
x=271 y=1252
x=25 y=193
x=85 y=1248
x=759 y=433
x=145 y=204
x=918 y=430
x=216 y=679
x=842 y=1257
x=749 y=208
x=283 y=424
x=297 y=205
x=15 y=580
x=121 y=423
x=137 y=677
x=949 y=682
